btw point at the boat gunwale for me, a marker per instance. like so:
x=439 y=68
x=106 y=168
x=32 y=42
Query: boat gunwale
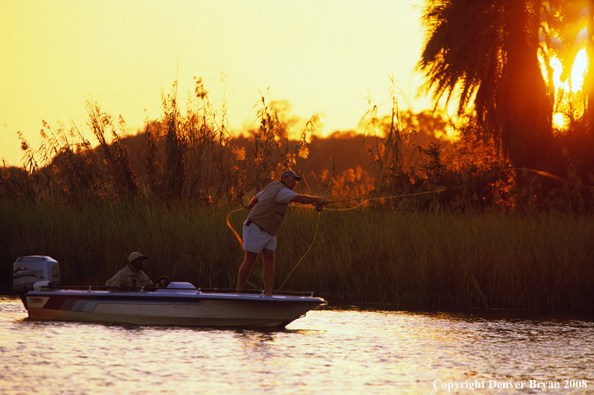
x=175 y=294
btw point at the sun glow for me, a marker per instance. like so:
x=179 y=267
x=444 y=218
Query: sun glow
x=557 y=67
x=567 y=90
x=575 y=82
x=560 y=121
x=578 y=72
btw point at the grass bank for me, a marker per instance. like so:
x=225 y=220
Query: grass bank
x=421 y=260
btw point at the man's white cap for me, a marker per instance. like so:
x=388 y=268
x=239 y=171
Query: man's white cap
x=136 y=255
x=290 y=173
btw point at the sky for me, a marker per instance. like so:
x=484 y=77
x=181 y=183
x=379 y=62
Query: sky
x=330 y=57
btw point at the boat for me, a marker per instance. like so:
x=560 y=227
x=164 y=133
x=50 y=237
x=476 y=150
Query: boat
x=36 y=281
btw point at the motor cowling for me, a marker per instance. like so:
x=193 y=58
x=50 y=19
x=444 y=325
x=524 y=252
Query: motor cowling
x=32 y=269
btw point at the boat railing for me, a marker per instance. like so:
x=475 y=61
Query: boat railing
x=255 y=291
x=97 y=288
x=54 y=286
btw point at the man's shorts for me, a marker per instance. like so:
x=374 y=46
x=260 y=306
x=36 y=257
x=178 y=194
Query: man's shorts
x=256 y=239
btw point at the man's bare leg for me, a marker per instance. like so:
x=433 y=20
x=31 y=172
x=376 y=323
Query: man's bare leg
x=268 y=257
x=246 y=269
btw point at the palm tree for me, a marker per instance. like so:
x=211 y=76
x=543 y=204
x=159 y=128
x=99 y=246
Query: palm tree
x=487 y=52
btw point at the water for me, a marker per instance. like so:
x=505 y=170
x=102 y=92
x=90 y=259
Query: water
x=330 y=351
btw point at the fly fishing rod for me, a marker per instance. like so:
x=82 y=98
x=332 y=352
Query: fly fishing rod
x=438 y=190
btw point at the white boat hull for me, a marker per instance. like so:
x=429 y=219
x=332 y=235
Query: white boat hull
x=169 y=307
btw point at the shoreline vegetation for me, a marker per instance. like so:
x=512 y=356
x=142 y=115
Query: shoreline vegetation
x=424 y=224
x=413 y=260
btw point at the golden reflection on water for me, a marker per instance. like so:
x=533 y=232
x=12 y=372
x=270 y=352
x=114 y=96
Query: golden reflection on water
x=331 y=351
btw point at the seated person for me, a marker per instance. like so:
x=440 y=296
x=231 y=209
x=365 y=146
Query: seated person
x=132 y=276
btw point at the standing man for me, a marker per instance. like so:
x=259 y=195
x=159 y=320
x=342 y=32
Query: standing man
x=262 y=224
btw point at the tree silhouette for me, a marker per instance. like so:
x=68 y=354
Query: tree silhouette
x=487 y=51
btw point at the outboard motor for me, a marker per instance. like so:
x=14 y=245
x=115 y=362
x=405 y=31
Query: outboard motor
x=31 y=269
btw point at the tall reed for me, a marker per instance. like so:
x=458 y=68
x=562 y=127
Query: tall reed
x=444 y=260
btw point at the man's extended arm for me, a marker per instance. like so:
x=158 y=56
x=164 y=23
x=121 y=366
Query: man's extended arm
x=306 y=199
